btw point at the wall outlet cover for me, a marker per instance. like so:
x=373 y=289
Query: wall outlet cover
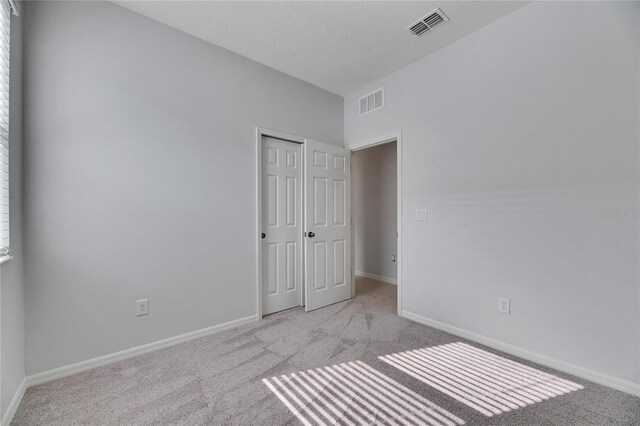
x=504 y=305
x=421 y=215
x=142 y=307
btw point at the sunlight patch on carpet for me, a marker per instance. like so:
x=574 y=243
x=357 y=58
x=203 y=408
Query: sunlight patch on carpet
x=353 y=393
x=486 y=382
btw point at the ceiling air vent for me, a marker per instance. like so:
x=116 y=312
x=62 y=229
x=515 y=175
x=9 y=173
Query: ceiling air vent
x=372 y=101
x=428 y=23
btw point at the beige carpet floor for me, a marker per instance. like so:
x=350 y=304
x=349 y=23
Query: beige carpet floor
x=218 y=380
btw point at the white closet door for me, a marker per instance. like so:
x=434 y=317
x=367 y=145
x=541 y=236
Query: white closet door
x=281 y=225
x=328 y=225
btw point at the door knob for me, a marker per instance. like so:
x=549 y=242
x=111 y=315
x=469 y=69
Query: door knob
x=263 y=235
x=311 y=235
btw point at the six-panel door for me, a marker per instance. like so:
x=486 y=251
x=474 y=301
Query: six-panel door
x=281 y=225
x=328 y=225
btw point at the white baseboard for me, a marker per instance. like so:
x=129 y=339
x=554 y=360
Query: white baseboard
x=13 y=405
x=68 y=370
x=377 y=277
x=576 y=370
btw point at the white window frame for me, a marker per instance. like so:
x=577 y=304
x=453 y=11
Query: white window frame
x=7 y=8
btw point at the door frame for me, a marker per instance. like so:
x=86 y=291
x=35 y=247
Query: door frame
x=357 y=146
x=260 y=132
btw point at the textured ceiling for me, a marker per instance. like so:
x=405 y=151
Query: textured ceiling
x=339 y=46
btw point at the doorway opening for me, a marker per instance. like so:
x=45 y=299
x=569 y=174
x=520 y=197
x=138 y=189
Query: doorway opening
x=375 y=186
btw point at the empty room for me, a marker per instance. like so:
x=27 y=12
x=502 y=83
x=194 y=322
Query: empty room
x=319 y=212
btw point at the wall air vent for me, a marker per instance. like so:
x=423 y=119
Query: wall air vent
x=428 y=23
x=372 y=101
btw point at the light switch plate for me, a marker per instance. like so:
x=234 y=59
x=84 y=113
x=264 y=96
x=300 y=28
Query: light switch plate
x=421 y=215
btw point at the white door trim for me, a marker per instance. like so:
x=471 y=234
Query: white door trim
x=356 y=146
x=261 y=131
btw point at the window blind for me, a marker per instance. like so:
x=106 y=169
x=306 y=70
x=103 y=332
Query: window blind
x=5 y=22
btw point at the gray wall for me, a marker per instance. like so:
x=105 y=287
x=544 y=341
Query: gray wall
x=374 y=182
x=517 y=139
x=140 y=178
x=12 y=334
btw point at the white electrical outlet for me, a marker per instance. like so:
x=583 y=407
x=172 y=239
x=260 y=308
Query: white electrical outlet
x=142 y=307
x=504 y=305
x=421 y=215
